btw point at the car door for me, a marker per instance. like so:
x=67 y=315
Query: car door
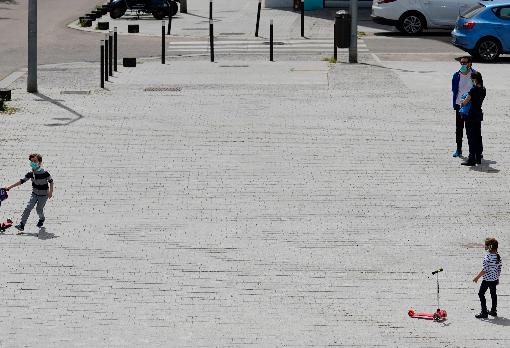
x=441 y=13
x=503 y=26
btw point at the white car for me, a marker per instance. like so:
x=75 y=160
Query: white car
x=412 y=16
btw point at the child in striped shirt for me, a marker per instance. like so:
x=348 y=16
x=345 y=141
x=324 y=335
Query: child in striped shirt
x=42 y=190
x=490 y=272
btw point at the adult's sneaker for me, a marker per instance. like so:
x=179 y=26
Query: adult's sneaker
x=457 y=153
x=40 y=223
x=493 y=313
x=20 y=227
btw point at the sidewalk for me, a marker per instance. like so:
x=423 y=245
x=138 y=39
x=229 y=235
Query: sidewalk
x=251 y=203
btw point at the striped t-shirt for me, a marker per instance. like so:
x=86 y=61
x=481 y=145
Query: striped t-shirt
x=491 y=267
x=40 y=180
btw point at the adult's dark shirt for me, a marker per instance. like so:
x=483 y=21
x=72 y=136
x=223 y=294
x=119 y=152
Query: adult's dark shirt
x=477 y=96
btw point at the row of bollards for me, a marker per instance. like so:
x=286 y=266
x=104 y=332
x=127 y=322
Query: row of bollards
x=108 y=55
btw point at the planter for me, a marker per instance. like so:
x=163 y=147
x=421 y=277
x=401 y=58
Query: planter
x=5 y=94
x=87 y=22
x=105 y=9
x=129 y=62
x=92 y=15
x=103 y=25
x=133 y=28
x=98 y=13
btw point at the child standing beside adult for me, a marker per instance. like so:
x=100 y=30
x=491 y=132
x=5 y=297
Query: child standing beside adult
x=474 y=120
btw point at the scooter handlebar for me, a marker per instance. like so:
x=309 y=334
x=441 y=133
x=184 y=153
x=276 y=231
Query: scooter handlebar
x=437 y=271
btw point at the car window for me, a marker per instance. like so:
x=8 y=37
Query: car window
x=473 y=11
x=503 y=12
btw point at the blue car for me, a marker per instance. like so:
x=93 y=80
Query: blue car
x=484 y=30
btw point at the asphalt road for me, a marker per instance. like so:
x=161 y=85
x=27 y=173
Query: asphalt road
x=56 y=42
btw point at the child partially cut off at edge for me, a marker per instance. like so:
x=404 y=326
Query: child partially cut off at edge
x=42 y=190
x=490 y=273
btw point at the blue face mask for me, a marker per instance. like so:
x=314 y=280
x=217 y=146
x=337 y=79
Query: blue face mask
x=34 y=165
x=463 y=68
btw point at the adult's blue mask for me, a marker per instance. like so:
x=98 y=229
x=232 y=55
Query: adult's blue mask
x=34 y=165
x=463 y=68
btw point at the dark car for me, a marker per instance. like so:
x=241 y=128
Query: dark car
x=159 y=8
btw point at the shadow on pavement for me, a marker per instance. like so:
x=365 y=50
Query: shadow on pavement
x=485 y=167
x=501 y=321
x=42 y=235
x=60 y=105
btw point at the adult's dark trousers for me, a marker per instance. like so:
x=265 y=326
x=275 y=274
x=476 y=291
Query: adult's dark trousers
x=481 y=293
x=459 y=128
x=474 y=135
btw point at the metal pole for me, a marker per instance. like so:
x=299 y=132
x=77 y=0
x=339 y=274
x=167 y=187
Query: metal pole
x=335 y=49
x=106 y=60
x=302 y=18
x=271 y=41
x=353 y=47
x=184 y=6
x=211 y=38
x=110 y=53
x=210 y=9
x=163 y=42
x=102 y=63
x=258 y=19
x=115 y=49
x=32 y=47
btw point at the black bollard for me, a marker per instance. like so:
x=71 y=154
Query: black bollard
x=302 y=18
x=115 y=49
x=211 y=38
x=102 y=63
x=110 y=54
x=335 y=49
x=106 y=60
x=258 y=19
x=210 y=9
x=271 y=41
x=163 y=42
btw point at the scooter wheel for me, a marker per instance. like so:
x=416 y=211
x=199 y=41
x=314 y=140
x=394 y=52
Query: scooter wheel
x=411 y=312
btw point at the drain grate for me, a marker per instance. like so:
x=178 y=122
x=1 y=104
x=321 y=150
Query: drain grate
x=162 y=89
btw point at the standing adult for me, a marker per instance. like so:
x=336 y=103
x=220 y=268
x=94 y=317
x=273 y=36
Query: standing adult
x=461 y=84
x=474 y=120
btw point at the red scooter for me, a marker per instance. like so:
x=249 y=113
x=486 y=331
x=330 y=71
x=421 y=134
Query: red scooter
x=439 y=314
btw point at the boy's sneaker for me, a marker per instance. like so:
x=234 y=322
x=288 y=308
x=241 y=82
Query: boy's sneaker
x=457 y=153
x=482 y=315
x=40 y=223
x=20 y=227
x=493 y=313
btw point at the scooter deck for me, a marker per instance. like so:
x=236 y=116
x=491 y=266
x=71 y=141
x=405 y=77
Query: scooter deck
x=5 y=225
x=439 y=315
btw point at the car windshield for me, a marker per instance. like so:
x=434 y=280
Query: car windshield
x=473 y=11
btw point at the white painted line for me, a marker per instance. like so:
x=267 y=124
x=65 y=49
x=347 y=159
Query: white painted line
x=261 y=50
x=302 y=42
x=7 y=81
x=377 y=59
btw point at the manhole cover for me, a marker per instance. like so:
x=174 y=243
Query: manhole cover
x=75 y=92
x=162 y=89
x=279 y=43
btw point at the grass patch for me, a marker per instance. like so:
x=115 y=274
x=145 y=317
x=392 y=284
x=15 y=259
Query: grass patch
x=330 y=60
x=6 y=109
x=361 y=34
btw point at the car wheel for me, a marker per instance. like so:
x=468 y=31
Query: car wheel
x=488 y=50
x=117 y=12
x=160 y=13
x=411 y=23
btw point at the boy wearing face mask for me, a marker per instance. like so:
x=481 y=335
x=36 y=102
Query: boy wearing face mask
x=461 y=84
x=42 y=190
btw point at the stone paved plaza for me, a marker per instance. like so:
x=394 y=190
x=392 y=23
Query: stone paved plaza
x=251 y=203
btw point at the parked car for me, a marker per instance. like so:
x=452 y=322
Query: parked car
x=159 y=8
x=484 y=30
x=412 y=16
